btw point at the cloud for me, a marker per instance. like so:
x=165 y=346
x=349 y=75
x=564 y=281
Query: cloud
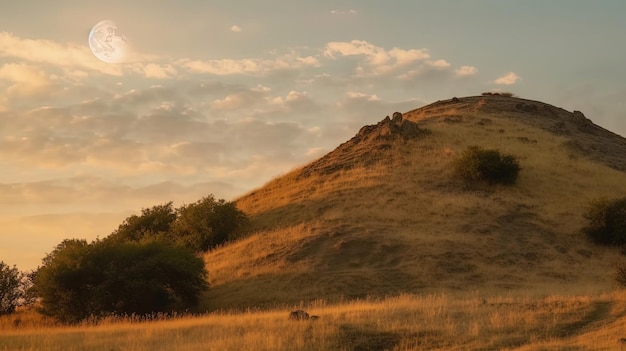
x=438 y=64
x=246 y=98
x=53 y=53
x=155 y=70
x=507 y=79
x=466 y=71
x=224 y=67
x=235 y=28
x=26 y=79
x=361 y=96
x=378 y=61
x=343 y=12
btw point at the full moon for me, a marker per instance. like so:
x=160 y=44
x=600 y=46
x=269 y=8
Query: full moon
x=107 y=42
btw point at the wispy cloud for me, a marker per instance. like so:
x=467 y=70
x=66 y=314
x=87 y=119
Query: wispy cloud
x=343 y=12
x=235 y=28
x=223 y=67
x=24 y=79
x=53 y=53
x=507 y=79
x=466 y=71
x=377 y=59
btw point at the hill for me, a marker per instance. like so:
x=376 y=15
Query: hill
x=383 y=214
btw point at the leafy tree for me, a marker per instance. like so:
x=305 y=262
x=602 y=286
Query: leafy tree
x=79 y=280
x=153 y=223
x=480 y=165
x=207 y=223
x=11 y=288
x=606 y=221
x=64 y=283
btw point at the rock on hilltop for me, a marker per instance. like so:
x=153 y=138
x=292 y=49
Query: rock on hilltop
x=363 y=149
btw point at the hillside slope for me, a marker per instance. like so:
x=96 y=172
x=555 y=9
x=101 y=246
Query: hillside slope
x=383 y=214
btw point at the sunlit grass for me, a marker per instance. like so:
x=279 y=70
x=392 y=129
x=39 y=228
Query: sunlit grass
x=407 y=322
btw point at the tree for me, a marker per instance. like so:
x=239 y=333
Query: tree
x=79 y=280
x=11 y=288
x=153 y=223
x=64 y=283
x=480 y=165
x=207 y=223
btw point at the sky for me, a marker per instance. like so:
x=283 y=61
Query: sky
x=219 y=97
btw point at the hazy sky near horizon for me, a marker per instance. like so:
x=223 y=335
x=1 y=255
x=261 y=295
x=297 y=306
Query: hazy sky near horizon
x=218 y=97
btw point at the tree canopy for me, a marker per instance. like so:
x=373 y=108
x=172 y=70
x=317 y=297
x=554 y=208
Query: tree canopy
x=79 y=280
x=198 y=226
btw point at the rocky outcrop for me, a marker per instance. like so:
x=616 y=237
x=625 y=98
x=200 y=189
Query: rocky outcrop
x=367 y=146
x=396 y=127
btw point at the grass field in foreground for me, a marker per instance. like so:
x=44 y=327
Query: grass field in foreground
x=407 y=322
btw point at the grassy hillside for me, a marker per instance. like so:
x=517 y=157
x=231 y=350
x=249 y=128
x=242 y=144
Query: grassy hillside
x=384 y=215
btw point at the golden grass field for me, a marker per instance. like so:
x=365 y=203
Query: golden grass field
x=381 y=241
x=406 y=322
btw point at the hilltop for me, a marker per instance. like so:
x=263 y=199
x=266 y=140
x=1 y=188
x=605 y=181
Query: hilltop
x=383 y=214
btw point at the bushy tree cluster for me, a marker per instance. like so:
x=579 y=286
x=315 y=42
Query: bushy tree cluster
x=199 y=226
x=481 y=165
x=606 y=221
x=149 y=264
x=80 y=279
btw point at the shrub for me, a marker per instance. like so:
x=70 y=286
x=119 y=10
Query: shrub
x=479 y=165
x=80 y=280
x=606 y=221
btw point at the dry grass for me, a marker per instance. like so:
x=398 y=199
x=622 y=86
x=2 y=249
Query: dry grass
x=407 y=322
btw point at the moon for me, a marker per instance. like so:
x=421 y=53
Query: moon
x=108 y=43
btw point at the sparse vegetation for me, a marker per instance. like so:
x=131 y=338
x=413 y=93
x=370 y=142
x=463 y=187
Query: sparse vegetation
x=480 y=165
x=606 y=221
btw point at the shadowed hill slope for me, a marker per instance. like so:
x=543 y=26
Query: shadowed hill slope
x=383 y=214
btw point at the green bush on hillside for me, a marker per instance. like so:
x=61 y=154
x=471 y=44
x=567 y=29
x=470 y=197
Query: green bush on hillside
x=80 y=280
x=480 y=165
x=606 y=221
